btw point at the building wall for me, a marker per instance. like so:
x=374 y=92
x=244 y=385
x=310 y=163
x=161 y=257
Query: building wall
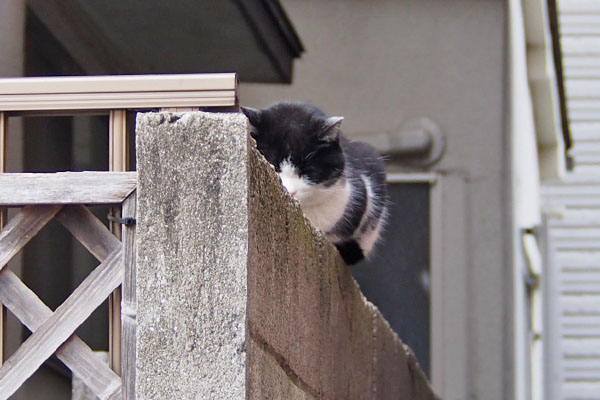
x=12 y=19
x=573 y=214
x=379 y=63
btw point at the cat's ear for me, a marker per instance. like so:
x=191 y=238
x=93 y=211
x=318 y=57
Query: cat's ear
x=330 y=130
x=253 y=115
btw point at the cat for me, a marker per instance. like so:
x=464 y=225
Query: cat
x=339 y=183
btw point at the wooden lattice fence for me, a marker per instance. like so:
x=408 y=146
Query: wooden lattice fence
x=64 y=196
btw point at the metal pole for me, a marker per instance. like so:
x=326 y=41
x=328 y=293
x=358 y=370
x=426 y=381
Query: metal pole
x=3 y=129
x=118 y=161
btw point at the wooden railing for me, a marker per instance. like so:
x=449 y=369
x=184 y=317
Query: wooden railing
x=64 y=196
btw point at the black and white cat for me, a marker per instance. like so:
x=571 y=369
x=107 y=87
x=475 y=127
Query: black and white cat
x=339 y=183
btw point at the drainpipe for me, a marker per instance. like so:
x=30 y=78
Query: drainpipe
x=419 y=143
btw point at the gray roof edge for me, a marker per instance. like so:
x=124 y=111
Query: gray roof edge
x=274 y=31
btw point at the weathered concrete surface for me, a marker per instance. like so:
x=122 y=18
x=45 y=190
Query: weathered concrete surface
x=267 y=379
x=192 y=256
x=238 y=296
x=302 y=300
x=307 y=313
x=392 y=378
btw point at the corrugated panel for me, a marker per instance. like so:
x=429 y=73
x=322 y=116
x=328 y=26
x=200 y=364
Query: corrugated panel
x=576 y=239
x=576 y=236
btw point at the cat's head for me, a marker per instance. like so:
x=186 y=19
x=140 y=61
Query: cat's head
x=302 y=143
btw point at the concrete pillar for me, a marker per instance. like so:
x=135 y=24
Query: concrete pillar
x=192 y=256
x=238 y=296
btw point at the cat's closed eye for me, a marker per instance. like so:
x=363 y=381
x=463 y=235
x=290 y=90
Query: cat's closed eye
x=310 y=156
x=320 y=148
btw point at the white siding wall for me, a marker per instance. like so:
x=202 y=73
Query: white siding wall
x=577 y=234
x=576 y=237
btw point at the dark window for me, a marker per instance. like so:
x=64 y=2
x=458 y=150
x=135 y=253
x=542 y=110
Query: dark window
x=397 y=278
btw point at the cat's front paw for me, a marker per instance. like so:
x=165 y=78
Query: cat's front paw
x=350 y=251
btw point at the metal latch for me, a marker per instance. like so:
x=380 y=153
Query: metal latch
x=127 y=221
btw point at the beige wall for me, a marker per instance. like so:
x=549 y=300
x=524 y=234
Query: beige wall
x=379 y=63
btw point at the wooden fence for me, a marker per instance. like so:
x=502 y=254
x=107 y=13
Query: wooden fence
x=43 y=197
x=64 y=197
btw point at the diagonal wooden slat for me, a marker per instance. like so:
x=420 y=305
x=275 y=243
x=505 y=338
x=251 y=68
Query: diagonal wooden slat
x=89 y=230
x=76 y=355
x=24 y=304
x=61 y=325
x=22 y=227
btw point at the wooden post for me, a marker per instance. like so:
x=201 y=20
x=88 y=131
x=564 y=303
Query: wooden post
x=129 y=311
x=118 y=161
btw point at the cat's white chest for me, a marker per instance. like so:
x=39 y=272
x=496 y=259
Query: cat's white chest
x=323 y=206
x=326 y=206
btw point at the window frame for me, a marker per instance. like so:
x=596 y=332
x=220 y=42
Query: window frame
x=433 y=179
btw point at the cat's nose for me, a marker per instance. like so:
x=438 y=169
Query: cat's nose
x=293 y=193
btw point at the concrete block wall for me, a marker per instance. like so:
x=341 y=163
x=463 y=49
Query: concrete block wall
x=238 y=295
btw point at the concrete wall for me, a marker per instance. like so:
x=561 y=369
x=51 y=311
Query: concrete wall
x=238 y=296
x=380 y=63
